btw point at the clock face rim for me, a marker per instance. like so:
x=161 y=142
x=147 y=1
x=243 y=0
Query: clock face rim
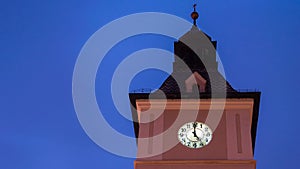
x=189 y=133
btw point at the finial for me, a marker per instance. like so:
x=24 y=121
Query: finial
x=195 y=15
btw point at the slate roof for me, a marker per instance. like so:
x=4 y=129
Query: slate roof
x=199 y=41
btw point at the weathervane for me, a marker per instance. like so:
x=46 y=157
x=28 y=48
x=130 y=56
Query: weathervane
x=195 y=15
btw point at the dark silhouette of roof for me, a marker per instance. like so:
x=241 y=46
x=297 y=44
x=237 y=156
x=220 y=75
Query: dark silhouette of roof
x=195 y=52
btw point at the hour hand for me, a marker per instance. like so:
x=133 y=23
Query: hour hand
x=195 y=134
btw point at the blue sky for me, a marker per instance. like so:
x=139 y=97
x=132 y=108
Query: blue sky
x=258 y=44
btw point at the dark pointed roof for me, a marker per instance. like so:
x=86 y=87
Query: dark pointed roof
x=204 y=63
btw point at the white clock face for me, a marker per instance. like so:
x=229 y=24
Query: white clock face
x=195 y=135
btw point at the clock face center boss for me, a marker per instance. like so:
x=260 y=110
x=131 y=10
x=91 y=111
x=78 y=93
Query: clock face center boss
x=195 y=134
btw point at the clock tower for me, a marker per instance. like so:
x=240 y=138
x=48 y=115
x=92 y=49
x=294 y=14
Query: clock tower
x=196 y=119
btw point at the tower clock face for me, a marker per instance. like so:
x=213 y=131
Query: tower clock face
x=195 y=135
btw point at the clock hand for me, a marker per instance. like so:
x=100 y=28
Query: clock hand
x=194 y=132
x=195 y=135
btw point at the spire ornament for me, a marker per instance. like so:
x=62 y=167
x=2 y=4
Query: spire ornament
x=195 y=15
